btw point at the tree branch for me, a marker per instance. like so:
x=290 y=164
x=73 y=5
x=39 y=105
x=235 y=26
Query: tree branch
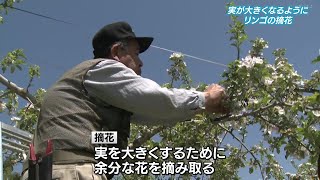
x=224 y=136
x=145 y=137
x=278 y=126
x=256 y=160
x=319 y=166
x=237 y=116
x=309 y=90
x=307 y=107
x=18 y=90
x=29 y=84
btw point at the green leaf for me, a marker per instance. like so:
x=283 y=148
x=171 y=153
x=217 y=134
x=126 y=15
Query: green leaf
x=12 y=68
x=316 y=60
x=19 y=67
x=251 y=170
x=243 y=37
x=234 y=44
x=313 y=98
x=34 y=71
x=268 y=169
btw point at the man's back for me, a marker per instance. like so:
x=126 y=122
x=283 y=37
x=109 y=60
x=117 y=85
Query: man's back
x=68 y=115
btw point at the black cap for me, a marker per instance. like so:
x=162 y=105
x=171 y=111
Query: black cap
x=114 y=32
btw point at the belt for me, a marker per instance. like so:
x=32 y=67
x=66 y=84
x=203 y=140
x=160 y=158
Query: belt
x=67 y=157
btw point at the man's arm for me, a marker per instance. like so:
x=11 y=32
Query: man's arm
x=117 y=85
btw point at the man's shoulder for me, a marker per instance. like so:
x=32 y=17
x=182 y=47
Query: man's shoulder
x=93 y=62
x=105 y=63
x=99 y=60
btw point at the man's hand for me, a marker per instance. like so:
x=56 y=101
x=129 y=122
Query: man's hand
x=215 y=97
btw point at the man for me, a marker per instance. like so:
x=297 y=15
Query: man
x=107 y=93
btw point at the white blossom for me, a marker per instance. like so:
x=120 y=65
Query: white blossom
x=314 y=72
x=276 y=76
x=280 y=64
x=176 y=55
x=253 y=101
x=257 y=60
x=258 y=147
x=267 y=81
x=300 y=83
x=277 y=166
x=316 y=113
x=14 y=118
x=2 y=106
x=312 y=169
x=295 y=73
x=267 y=131
x=261 y=40
x=43 y=90
x=249 y=61
x=279 y=109
x=313 y=128
x=308 y=164
x=271 y=67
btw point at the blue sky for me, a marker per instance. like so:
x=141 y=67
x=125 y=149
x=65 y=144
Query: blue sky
x=192 y=27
